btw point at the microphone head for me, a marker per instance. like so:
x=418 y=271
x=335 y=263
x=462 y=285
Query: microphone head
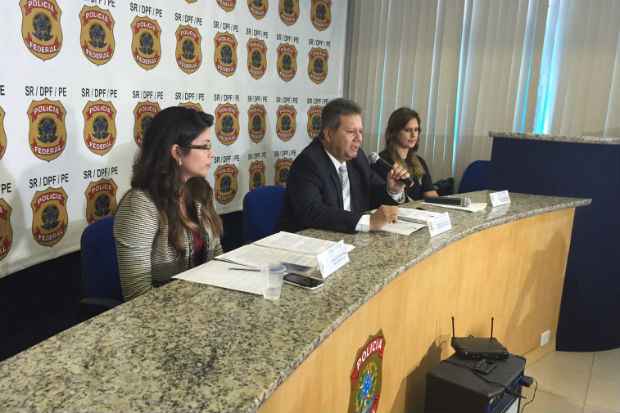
x=373 y=157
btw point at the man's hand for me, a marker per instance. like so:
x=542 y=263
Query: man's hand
x=385 y=214
x=394 y=186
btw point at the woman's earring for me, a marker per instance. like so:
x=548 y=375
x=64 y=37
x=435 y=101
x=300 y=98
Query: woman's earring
x=180 y=162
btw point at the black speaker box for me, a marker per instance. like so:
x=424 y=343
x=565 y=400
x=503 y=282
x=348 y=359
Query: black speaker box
x=458 y=385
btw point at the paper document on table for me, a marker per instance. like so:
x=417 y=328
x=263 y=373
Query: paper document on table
x=298 y=243
x=417 y=215
x=253 y=255
x=402 y=227
x=437 y=222
x=473 y=207
x=219 y=274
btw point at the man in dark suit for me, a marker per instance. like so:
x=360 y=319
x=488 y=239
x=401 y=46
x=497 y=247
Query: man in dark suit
x=331 y=184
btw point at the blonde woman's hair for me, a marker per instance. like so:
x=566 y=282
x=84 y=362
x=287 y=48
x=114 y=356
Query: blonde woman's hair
x=397 y=122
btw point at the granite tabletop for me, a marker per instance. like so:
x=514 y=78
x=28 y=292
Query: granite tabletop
x=192 y=347
x=600 y=140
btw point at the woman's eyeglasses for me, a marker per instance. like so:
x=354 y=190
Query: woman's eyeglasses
x=205 y=147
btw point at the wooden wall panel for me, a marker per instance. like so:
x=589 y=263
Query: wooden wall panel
x=513 y=272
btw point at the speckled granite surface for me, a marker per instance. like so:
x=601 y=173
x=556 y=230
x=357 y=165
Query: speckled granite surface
x=600 y=140
x=189 y=347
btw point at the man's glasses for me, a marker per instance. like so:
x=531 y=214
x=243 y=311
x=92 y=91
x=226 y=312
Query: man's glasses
x=205 y=147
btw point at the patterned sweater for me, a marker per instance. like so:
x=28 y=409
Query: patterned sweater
x=146 y=259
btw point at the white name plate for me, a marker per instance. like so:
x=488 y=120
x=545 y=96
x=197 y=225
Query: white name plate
x=499 y=198
x=439 y=224
x=498 y=211
x=332 y=259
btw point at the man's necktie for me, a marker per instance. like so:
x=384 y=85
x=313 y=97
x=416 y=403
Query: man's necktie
x=346 y=188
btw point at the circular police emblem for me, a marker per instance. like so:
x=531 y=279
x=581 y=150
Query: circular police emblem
x=289 y=11
x=226 y=183
x=257 y=174
x=258 y=8
x=100 y=199
x=188 y=51
x=257 y=122
x=287 y=61
x=41 y=29
x=366 y=376
x=143 y=114
x=227 y=5
x=314 y=121
x=321 y=14
x=281 y=173
x=146 y=42
x=3 y=141
x=6 y=231
x=49 y=216
x=227 y=123
x=286 y=123
x=225 y=53
x=192 y=105
x=96 y=34
x=99 y=126
x=257 y=58
x=317 y=64
x=47 y=133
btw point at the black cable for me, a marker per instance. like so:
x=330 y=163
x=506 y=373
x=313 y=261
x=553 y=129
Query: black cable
x=533 y=396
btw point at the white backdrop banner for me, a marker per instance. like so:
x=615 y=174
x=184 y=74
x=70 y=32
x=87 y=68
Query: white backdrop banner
x=81 y=80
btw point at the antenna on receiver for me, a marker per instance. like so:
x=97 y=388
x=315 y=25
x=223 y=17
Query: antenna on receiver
x=476 y=348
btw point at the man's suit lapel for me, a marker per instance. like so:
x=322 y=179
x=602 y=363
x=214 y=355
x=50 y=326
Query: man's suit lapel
x=333 y=177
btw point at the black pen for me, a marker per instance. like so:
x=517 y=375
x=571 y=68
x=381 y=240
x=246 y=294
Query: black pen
x=421 y=209
x=245 y=269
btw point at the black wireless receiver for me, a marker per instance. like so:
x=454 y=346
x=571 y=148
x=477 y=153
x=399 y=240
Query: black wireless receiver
x=475 y=348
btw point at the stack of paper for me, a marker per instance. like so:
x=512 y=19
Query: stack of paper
x=437 y=222
x=298 y=243
x=220 y=274
x=254 y=255
x=239 y=269
x=327 y=256
x=473 y=207
x=402 y=227
x=417 y=215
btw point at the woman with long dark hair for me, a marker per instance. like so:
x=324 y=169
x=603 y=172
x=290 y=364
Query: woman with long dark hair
x=401 y=146
x=166 y=223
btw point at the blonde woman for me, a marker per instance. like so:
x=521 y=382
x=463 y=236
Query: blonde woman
x=402 y=140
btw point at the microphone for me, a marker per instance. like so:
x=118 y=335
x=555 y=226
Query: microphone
x=449 y=200
x=375 y=159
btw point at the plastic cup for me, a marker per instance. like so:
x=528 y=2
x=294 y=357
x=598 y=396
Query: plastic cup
x=274 y=278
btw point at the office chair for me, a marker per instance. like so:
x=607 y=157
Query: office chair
x=475 y=177
x=261 y=212
x=101 y=285
x=445 y=186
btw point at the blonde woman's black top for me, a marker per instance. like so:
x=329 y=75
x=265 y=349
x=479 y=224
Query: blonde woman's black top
x=422 y=183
